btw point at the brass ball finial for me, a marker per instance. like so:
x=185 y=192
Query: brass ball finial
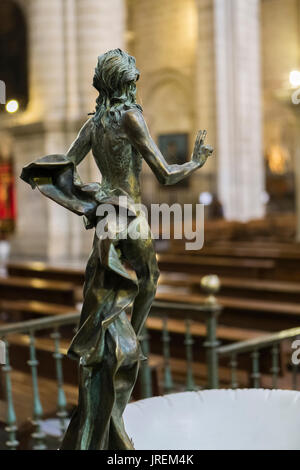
x=211 y=285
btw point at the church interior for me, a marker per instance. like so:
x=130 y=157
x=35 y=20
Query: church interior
x=225 y=316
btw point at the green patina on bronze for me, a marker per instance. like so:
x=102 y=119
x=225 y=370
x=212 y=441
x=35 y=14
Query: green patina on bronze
x=121 y=274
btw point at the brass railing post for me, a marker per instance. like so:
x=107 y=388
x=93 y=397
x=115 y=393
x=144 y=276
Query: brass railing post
x=211 y=285
x=145 y=371
x=11 y=420
x=61 y=413
x=168 y=380
x=190 y=382
x=38 y=435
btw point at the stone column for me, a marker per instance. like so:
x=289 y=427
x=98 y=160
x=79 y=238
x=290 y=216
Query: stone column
x=46 y=59
x=101 y=26
x=205 y=95
x=33 y=128
x=239 y=116
x=49 y=100
x=71 y=61
x=65 y=39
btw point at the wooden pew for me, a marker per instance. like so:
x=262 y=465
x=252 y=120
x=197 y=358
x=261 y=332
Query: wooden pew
x=236 y=311
x=241 y=249
x=167 y=262
x=263 y=314
x=254 y=314
x=285 y=257
x=18 y=310
x=246 y=267
x=42 y=270
x=21 y=310
x=263 y=289
x=19 y=288
x=230 y=286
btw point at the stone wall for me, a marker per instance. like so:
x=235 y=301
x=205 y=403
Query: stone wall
x=177 y=67
x=65 y=38
x=174 y=42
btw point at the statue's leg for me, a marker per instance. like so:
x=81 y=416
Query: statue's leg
x=89 y=428
x=73 y=436
x=70 y=437
x=124 y=381
x=140 y=254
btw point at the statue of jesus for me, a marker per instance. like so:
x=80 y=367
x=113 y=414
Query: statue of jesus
x=122 y=273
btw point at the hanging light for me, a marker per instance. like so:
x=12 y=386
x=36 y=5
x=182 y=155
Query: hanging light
x=295 y=78
x=206 y=198
x=12 y=106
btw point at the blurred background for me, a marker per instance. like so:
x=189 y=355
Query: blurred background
x=230 y=67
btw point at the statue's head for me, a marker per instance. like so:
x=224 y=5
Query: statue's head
x=115 y=74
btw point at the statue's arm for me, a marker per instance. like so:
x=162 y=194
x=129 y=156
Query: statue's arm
x=81 y=145
x=139 y=135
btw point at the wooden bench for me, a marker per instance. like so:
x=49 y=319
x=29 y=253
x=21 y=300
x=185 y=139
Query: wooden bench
x=41 y=270
x=37 y=309
x=19 y=288
x=280 y=291
x=285 y=257
x=249 y=314
x=246 y=267
x=252 y=317
x=167 y=262
x=237 y=249
x=224 y=333
x=264 y=315
x=230 y=286
x=21 y=310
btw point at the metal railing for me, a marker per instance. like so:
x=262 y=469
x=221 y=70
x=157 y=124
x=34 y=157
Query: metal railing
x=30 y=328
x=162 y=309
x=253 y=347
x=207 y=312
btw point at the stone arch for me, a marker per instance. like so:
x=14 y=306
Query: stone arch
x=168 y=107
x=166 y=76
x=169 y=91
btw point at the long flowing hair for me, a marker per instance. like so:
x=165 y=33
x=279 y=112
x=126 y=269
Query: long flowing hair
x=115 y=79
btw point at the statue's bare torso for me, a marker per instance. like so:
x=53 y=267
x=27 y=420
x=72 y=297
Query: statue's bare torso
x=119 y=146
x=119 y=162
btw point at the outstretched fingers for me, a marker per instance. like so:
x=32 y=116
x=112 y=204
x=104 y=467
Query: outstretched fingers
x=200 y=148
x=204 y=134
x=198 y=140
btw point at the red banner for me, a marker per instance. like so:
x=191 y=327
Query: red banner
x=7 y=198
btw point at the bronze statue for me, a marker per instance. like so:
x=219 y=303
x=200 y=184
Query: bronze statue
x=122 y=273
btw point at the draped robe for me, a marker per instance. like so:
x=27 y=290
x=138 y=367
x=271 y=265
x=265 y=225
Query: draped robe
x=105 y=345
